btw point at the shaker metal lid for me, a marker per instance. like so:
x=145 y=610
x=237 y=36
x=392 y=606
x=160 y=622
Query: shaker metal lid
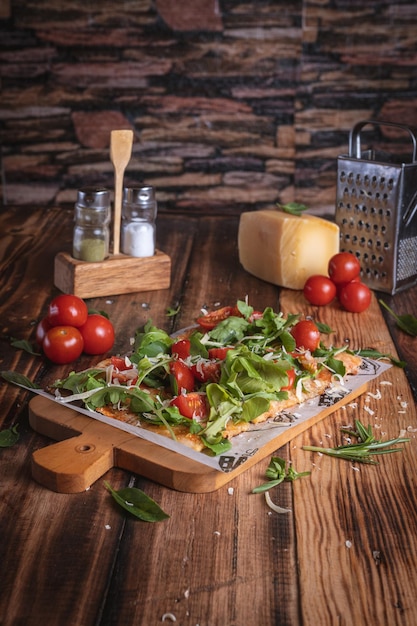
x=93 y=197
x=143 y=196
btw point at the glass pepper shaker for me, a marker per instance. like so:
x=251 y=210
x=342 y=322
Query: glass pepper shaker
x=139 y=210
x=91 y=230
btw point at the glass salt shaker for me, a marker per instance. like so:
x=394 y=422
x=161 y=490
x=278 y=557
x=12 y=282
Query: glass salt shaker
x=138 y=221
x=91 y=230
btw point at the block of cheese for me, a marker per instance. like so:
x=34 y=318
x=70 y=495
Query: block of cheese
x=286 y=249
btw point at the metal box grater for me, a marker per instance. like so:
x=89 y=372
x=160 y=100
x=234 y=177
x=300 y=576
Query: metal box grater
x=376 y=211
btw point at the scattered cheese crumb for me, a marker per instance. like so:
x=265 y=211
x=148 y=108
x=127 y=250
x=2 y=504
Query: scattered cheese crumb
x=230 y=491
x=355 y=468
x=169 y=616
x=385 y=382
x=375 y=396
x=107 y=527
x=348 y=543
x=216 y=532
x=410 y=429
x=368 y=410
x=187 y=594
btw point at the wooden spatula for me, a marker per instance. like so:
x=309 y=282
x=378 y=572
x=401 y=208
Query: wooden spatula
x=120 y=151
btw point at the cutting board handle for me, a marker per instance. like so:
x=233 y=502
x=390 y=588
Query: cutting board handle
x=72 y=465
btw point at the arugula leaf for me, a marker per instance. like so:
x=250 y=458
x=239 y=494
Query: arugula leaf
x=230 y=330
x=277 y=472
x=171 y=312
x=370 y=353
x=9 y=437
x=151 y=341
x=407 y=322
x=294 y=208
x=137 y=503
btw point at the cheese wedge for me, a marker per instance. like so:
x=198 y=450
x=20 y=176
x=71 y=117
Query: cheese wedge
x=286 y=249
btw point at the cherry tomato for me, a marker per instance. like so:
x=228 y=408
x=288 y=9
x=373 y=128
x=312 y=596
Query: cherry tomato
x=192 y=405
x=98 y=334
x=181 y=348
x=41 y=330
x=182 y=378
x=343 y=267
x=119 y=363
x=63 y=344
x=206 y=371
x=210 y=321
x=219 y=353
x=291 y=381
x=355 y=297
x=306 y=335
x=319 y=290
x=67 y=310
x=340 y=287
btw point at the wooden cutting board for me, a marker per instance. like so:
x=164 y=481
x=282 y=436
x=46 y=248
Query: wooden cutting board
x=87 y=449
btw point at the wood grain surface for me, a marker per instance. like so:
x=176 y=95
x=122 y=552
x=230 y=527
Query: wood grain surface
x=346 y=554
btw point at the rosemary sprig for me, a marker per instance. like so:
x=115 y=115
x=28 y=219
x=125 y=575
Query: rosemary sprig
x=364 y=449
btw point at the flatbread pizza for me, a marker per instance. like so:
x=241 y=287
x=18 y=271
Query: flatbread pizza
x=210 y=382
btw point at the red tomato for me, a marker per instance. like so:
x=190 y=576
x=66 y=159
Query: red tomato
x=210 y=321
x=306 y=335
x=67 y=310
x=192 y=405
x=181 y=348
x=219 y=353
x=291 y=381
x=119 y=363
x=41 y=330
x=343 y=267
x=206 y=371
x=256 y=315
x=63 y=344
x=182 y=378
x=355 y=297
x=98 y=334
x=319 y=290
x=340 y=287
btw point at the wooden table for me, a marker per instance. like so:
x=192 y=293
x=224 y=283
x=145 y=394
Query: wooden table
x=345 y=555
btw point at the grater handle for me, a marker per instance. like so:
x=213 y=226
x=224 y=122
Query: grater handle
x=355 y=140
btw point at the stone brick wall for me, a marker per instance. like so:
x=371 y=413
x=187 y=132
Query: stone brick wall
x=234 y=104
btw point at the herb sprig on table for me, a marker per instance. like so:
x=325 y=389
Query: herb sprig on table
x=407 y=322
x=366 y=447
x=278 y=472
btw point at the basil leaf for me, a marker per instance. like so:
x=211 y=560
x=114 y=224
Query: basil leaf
x=138 y=503
x=407 y=322
x=9 y=437
x=324 y=328
x=22 y=344
x=18 y=379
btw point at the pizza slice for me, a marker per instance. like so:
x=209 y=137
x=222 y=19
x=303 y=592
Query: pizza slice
x=209 y=383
